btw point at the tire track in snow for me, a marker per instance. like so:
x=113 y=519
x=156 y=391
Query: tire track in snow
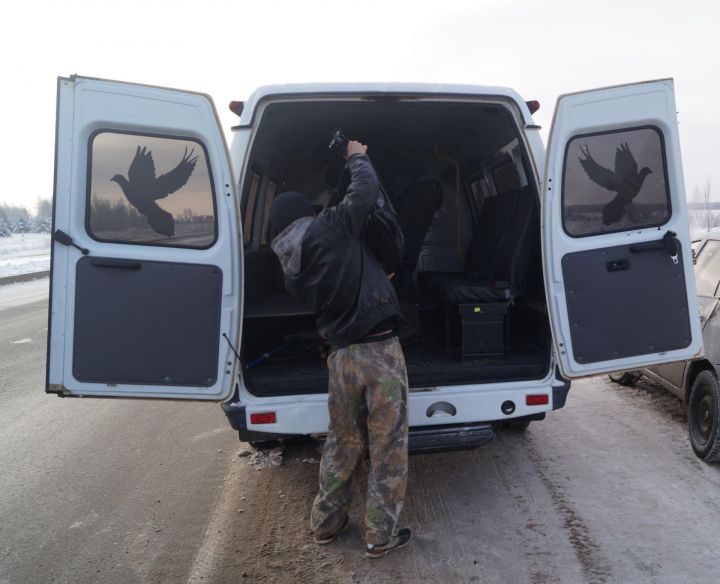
x=595 y=566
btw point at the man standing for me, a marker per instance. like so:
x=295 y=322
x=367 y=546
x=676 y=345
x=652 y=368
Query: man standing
x=327 y=264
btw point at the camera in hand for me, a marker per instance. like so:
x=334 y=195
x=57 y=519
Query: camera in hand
x=382 y=232
x=338 y=144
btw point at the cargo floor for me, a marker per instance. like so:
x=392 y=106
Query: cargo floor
x=300 y=371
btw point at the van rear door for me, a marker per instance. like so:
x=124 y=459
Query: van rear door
x=616 y=245
x=145 y=280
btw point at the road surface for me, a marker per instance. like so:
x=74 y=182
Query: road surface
x=97 y=490
x=605 y=490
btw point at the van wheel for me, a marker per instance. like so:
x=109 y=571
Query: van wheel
x=704 y=416
x=628 y=378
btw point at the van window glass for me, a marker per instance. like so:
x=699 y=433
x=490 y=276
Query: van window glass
x=505 y=177
x=269 y=196
x=707 y=268
x=150 y=190
x=250 y=207
x=615 y=181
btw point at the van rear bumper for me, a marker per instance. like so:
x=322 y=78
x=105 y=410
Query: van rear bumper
x=460 y=406
x=422 y=439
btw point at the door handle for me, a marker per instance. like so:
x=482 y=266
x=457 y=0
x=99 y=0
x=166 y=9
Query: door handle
x=618 y=265
x=117 y=264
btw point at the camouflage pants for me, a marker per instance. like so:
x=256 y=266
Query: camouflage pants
x=367 y=403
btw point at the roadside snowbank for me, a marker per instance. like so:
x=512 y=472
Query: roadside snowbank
x=24 y=253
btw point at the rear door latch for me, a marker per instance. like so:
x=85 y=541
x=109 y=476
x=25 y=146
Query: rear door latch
x=669 y=242
x=671 y=245
x=65 y=239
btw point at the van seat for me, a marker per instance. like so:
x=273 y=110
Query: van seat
x=497 y=258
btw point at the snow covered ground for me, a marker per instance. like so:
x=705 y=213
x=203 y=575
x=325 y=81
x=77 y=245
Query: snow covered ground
x=22 y=293
x=24 y=253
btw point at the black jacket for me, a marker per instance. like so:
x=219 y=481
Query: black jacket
x=327 y=264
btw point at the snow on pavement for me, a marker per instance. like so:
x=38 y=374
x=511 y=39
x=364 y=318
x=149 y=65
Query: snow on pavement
x=13 y=295
x=24 y=253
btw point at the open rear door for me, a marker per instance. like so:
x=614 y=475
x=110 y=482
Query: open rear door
x=618 y=264
x=145 y=280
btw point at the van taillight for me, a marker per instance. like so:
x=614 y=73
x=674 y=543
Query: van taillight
x=236 y=107
x=533 y=105
x=537 y=400
x=264 y=418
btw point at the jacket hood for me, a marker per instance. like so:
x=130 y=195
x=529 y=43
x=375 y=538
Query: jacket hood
x=288 y=245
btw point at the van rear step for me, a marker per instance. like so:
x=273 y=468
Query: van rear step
x=438 y=438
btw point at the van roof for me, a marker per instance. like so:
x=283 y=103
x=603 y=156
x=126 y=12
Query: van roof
x=293 y=90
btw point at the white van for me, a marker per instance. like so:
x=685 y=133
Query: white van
x=540 y=266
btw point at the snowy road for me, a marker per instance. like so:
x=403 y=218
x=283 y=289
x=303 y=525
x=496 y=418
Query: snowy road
x=606 y=490
x=97 y=490
x=24 y=253
x=14 y=295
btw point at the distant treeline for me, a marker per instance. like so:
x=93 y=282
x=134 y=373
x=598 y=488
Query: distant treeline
x=107 y=216
x=14 y=219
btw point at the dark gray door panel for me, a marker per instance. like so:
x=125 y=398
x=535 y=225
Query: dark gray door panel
x=623 y=303
x=146 y=322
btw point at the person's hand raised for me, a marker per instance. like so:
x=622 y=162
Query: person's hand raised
x=354 y=147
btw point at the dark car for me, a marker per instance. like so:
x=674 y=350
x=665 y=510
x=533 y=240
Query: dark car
x=696 y=382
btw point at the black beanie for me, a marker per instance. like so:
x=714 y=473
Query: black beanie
x=286 y=208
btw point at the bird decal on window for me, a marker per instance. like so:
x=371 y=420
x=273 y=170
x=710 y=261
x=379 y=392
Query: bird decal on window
x=142 y=188
x=626 y=181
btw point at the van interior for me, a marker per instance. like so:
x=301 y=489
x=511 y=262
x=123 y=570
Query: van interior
x=479 y=295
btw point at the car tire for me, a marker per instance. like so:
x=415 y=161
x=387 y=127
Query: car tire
x=628 y=378
x=704 y=416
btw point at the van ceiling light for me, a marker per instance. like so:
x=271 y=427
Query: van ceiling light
x=533 y=105
x=537 y=400
x=236 y=107
x=263 y=418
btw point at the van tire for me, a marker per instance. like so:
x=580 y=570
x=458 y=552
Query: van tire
x=704 y=416
x=627 y=378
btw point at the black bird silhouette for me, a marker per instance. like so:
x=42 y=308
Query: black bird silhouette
x=142 y=188
x=626 y=181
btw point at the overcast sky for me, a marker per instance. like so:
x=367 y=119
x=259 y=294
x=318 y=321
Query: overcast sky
x=227 y=48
